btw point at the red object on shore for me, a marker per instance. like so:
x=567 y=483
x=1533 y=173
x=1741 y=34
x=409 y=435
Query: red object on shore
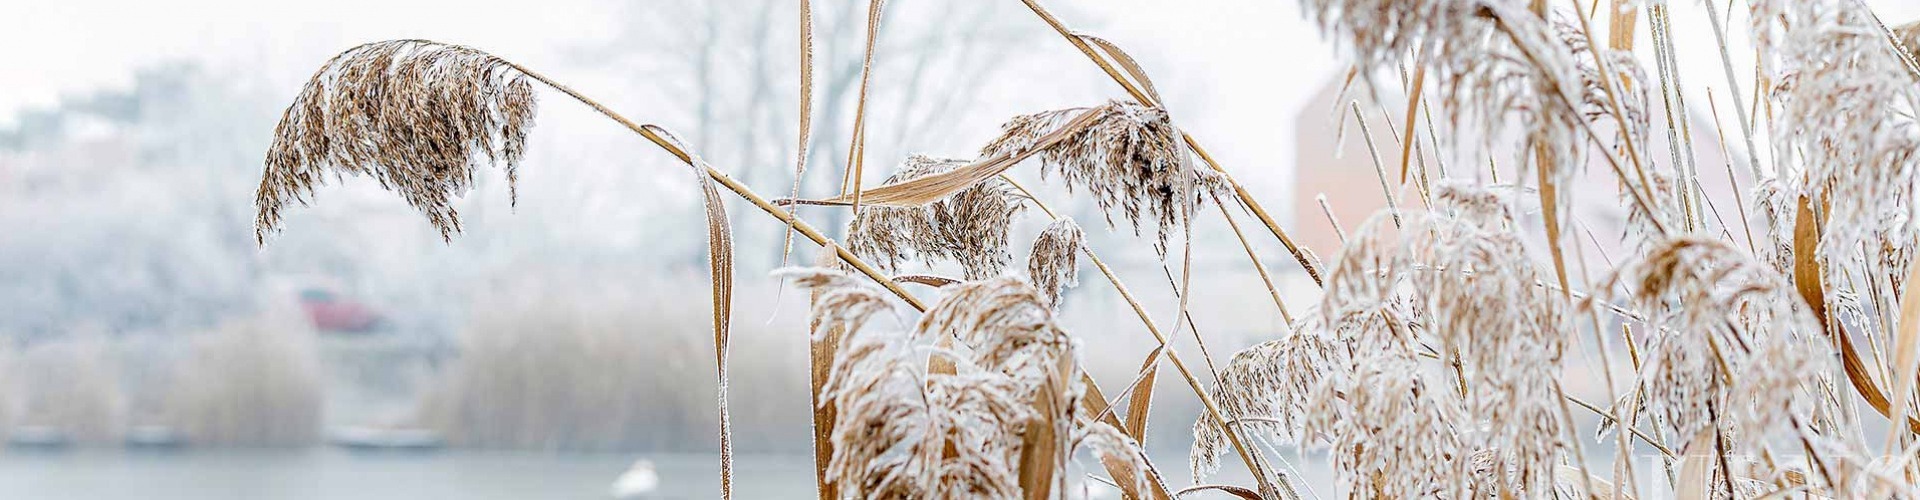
x=330 y=312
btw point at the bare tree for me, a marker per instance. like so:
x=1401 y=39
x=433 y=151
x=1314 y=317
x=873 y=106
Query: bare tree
x=729 y=73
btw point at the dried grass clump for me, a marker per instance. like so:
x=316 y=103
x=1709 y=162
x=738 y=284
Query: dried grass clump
x=995 y=425
x=969 y=226
x=1130 y=159
x=1054 y=264
x=1431 y=365
x=1497 y=67
x=254 y=383
x=1273 y=385
x=1392 y=433
x=1734 y=347
x=1351 y=378
x=1629 y=81
x=417 y=116
x=1505 y=330
x=1844 y=127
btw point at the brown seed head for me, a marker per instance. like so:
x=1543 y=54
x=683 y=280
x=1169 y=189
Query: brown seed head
x=1053 y=266
x=968 y=227
x=1131 y=159
x=417 y=116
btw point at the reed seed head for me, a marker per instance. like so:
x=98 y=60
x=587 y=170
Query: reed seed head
x=969 y=227
x=1131 y=159
x=1269 y=386
x=1054 y=264
x=1844 y=102
x=1006 y=325
x=1732 y=339
x=417 y=116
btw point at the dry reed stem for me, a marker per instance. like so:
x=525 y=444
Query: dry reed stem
x=822 y=348
x=857 y=151
x=806 y=122
x=1413 y=104
x=1733 y=84
x=1380 y=172
x=934 y=187
x=1254 y=259
x=1906 y=356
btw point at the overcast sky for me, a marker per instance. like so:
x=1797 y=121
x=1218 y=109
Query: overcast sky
x=1235 y=71
x=66 y=46
x=1239 y=47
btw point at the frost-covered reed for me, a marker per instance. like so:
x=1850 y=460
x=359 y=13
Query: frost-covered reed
x=1446 y=352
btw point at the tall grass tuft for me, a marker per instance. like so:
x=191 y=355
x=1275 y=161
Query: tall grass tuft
x=249 y=383
x=68 y=386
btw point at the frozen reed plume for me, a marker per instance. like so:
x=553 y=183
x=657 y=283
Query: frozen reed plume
x=1452 y=285
x=1733 y=349
x=1054 y=264
x=1270 y=386
x=996 y=424
x=1494 y=63
x=1628 y=79
x=968 y=227
x=1005 y=324
x=898 y=433
x=1504 y=331
x=1130 y=159
x=417 y=116
x=1844 y=125
x=1392 y=433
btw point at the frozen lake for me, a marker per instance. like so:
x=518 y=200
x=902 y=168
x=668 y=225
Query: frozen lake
x=331 y=473
x=327 y=473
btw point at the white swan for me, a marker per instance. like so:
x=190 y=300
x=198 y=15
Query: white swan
x=638 y=482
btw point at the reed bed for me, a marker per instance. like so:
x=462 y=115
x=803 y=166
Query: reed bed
x=1436 y=359
x=247 y=383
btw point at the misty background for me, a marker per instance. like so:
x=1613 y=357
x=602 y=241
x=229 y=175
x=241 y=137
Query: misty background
x=563 y=336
